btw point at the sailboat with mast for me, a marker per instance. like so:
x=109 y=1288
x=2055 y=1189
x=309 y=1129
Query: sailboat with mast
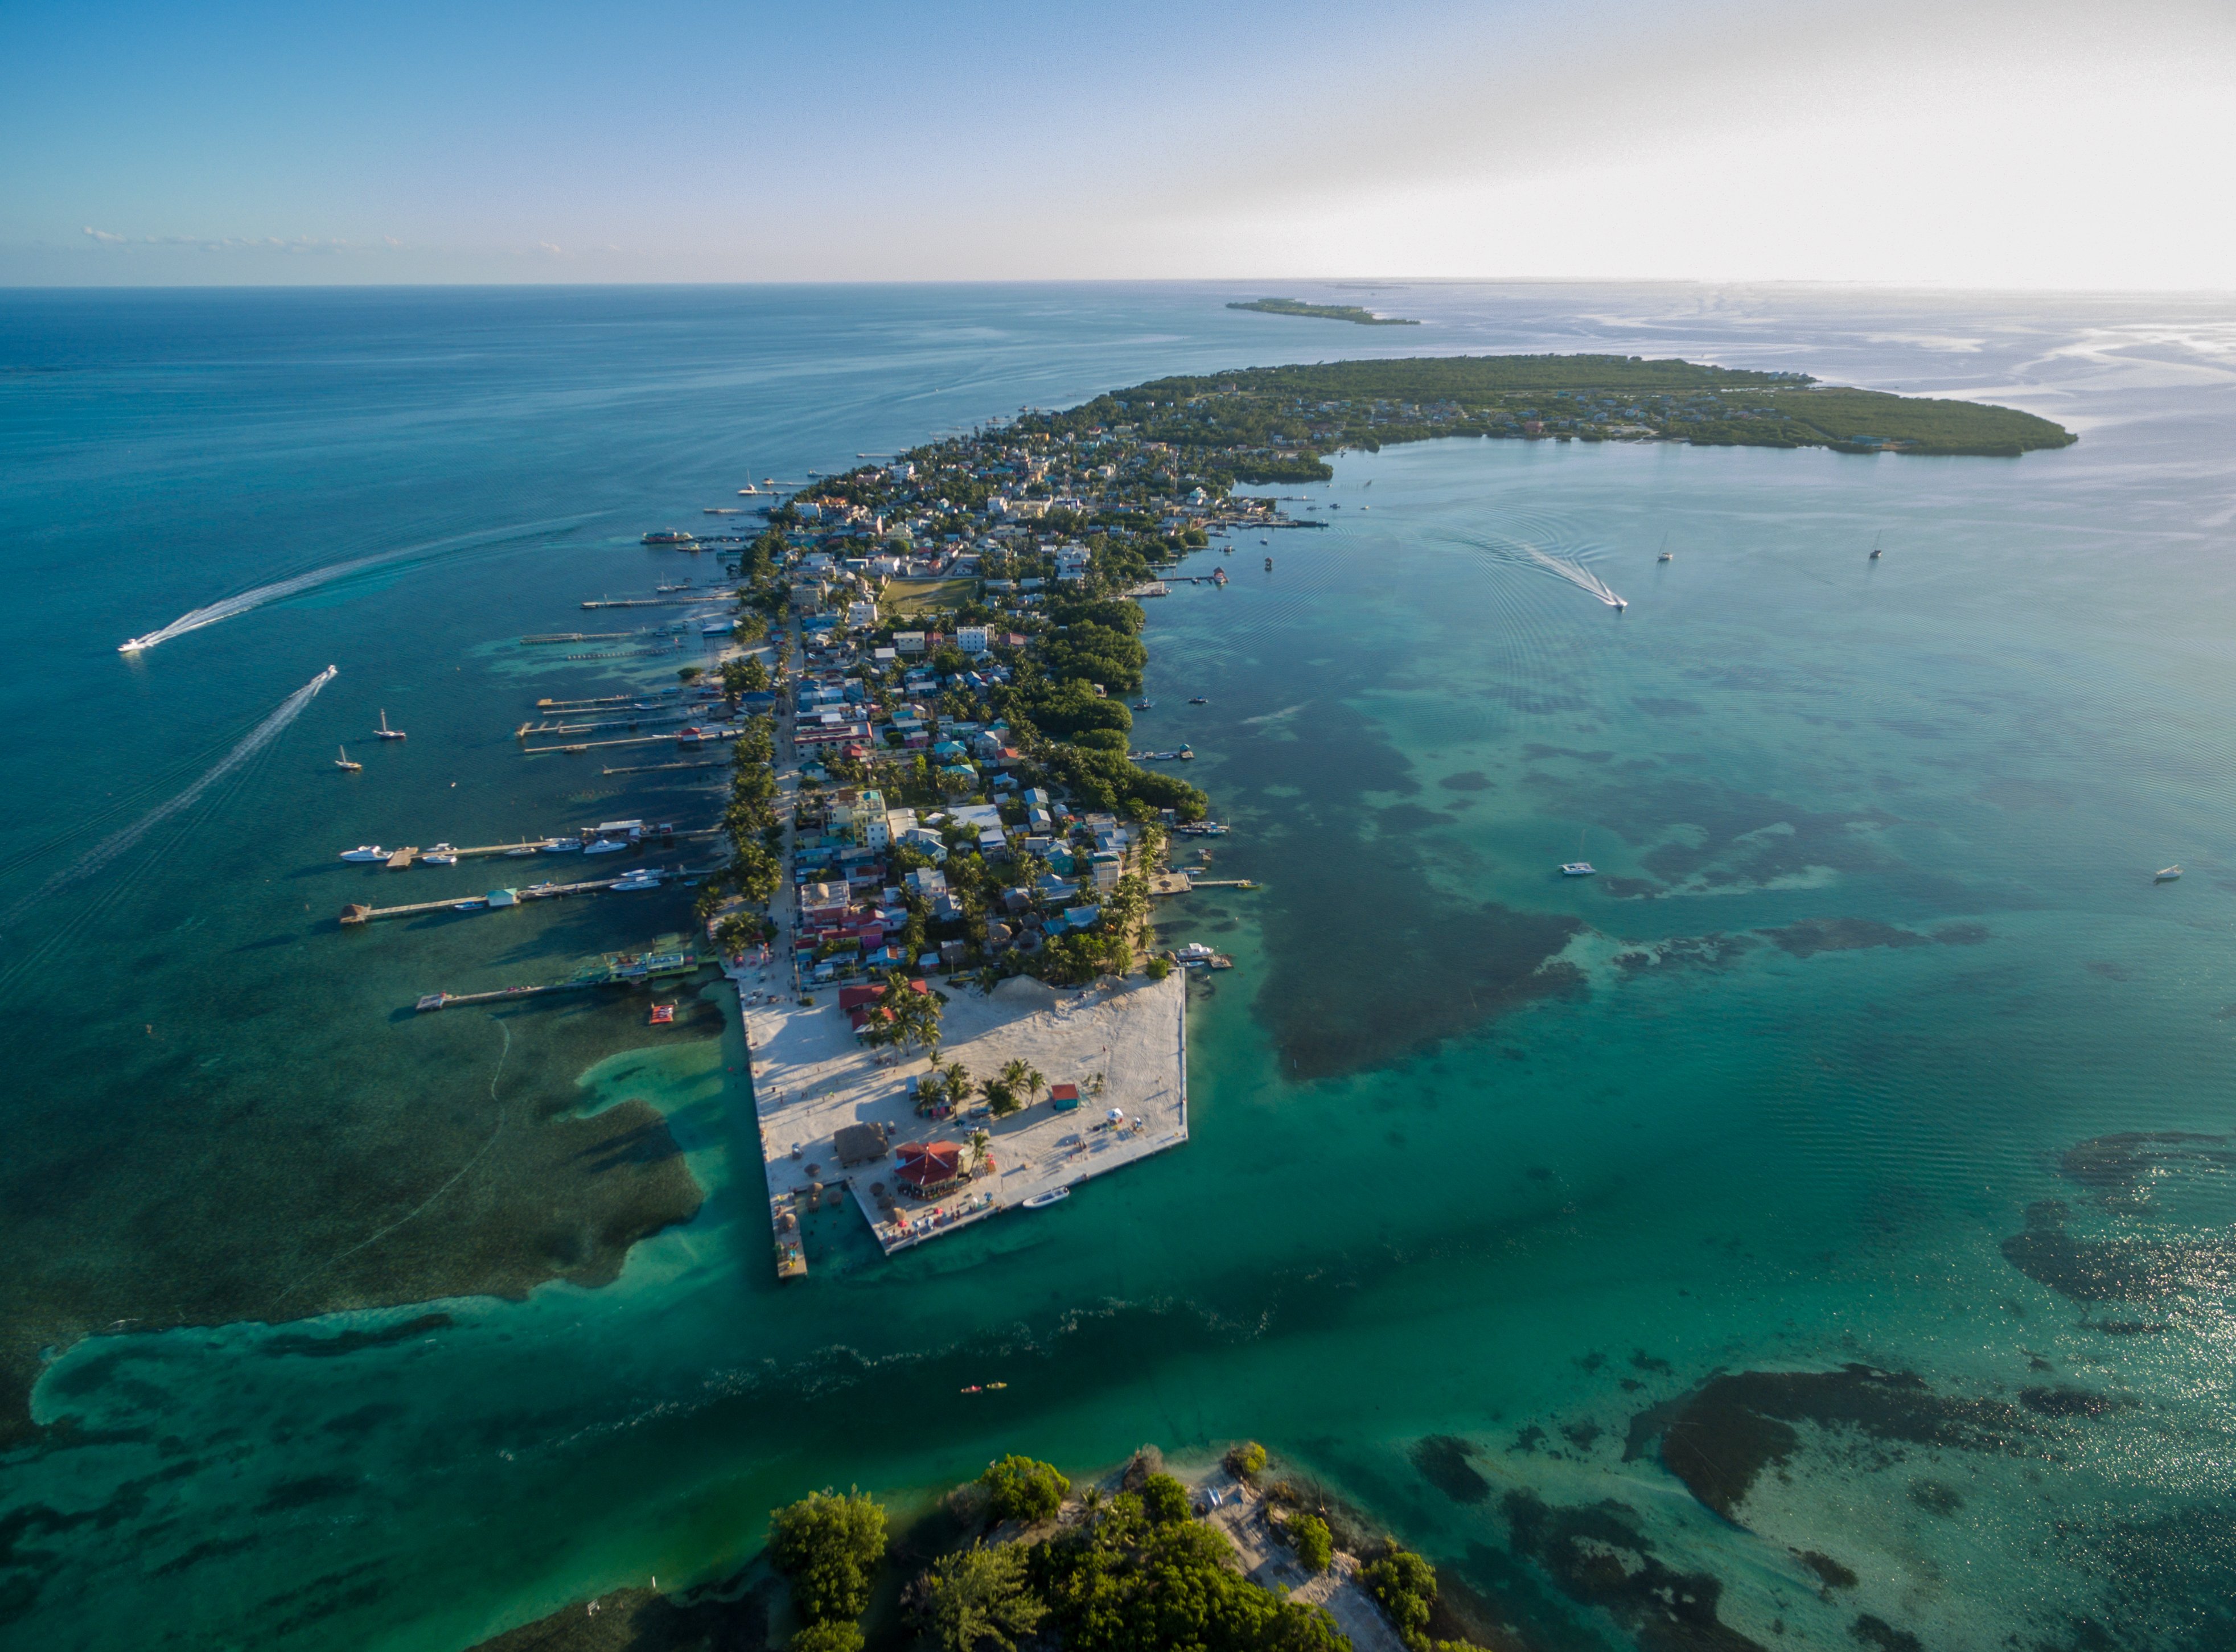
x=345 y=763
x=1580 y=867
x=1664 y=555
x=385 y=732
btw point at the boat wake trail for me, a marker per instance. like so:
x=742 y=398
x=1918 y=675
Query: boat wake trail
x=1569 y=569
x=195 y=619
x=1576 y=574
x=117 y=842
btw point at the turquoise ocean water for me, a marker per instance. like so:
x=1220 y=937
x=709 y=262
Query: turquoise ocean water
x=1488 y=1167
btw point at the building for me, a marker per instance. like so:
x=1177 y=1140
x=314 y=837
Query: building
x=929 y=1169
x=870 y=828
x=971 y=639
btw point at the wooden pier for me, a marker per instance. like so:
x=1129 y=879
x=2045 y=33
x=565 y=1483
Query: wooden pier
x=357 y=912
x=635 y=740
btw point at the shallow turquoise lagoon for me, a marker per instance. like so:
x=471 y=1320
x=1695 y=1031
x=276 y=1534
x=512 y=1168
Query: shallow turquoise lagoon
x=1872 y=1059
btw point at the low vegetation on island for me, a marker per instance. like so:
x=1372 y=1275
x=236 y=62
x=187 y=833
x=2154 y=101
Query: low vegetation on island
x=1351 y=312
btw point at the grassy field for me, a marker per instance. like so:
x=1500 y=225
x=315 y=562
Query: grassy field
x=906 y=598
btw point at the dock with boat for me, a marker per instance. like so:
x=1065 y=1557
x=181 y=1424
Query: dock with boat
x=670 y=957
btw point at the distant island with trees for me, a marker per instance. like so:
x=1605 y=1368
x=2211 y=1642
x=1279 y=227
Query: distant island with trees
x=1266 y=424
x=1350 y=313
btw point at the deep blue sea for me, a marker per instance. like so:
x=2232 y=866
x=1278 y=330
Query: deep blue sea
x=1868 y=1118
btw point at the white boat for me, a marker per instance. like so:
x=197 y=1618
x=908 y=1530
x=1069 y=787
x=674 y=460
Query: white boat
x=1578 y=869
x=344 y=761
x=385 y=732
x=603 y=847
x=366 y=851
x=133 y=645
x=441 y=855
x=524 y=849
x=560 y=845
x=1043 y=1201
x=635 y=880
x=2166 y=874
x=468 y=905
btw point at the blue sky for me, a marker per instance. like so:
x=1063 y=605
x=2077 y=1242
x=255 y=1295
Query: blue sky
x=2045 y=144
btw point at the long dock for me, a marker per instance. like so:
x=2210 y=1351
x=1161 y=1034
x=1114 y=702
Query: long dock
x=636 y=739
x=357 y=912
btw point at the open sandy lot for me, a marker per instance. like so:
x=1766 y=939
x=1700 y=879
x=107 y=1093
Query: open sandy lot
x=1125 y=1047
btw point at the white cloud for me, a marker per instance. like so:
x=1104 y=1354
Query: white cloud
x=104 y=237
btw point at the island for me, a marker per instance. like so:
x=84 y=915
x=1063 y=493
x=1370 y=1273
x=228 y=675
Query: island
x=1351 y=312
x=1227 y=1554
x=945 y=849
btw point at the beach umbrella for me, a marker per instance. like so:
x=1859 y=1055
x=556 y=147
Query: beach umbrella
x=1117 y=1116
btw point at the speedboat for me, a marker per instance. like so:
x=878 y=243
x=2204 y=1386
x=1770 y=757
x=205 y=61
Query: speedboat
x=1578 y=869
x=1144 y=705
x=468 y=905
x=1043 y=1201
x=603 y=847
x=560 y=846
x=515 y=854
x=133 y=645
x=1666 y=556
x=1620 y=605
x=366 y=851
x=344 y=763
x=441 y=855
x=1200 y=700
x=635 y=880
x=385 y=732
x=2166 y=874
x=662 y=1014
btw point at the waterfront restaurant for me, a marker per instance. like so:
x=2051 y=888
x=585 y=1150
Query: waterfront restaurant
x=927 y=1171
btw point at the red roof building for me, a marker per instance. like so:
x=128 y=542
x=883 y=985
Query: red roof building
x=928 y=1170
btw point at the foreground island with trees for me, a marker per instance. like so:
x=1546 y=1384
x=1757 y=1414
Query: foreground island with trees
x=1232 y=1559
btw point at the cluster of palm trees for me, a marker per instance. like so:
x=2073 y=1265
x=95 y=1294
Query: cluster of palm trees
x=1018 y=1084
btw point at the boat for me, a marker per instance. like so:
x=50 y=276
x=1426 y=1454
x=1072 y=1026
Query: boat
x=1619 y=604
x=630 y=882
x=1185 y=754
x=344 y=762
x=441 y=855
x=1145 y=705
x=515 y=854
x=1875 y=548
x=1269 y=564
x=2166 y=874
x=1578 y=869
x=366 y=851
x=133 y=645
x=1043 y=1201
x=385 y=732
x=662 y=1015
x=1200 y=700
x=724 y=511
x=468 y=905
x=669 y=536
x=748 y=491
x=974 y=1389
x=1219 y=576
x=604 y=846
x=560 y=846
